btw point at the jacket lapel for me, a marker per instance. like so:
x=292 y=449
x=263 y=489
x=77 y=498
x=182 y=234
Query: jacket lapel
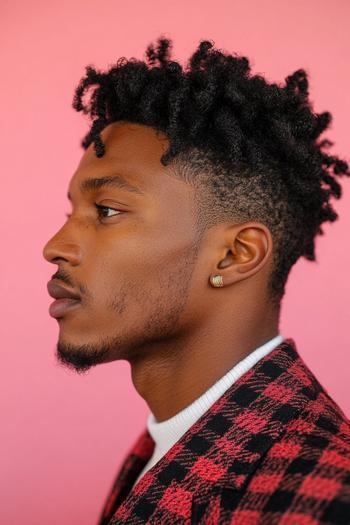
x=217 y=455
x=135 y=460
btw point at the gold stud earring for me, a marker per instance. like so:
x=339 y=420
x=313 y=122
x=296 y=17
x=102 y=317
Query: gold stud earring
x=217 y=281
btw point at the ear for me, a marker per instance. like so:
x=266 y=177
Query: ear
x=247 y=249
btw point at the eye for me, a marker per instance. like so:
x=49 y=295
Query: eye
x=101 y=210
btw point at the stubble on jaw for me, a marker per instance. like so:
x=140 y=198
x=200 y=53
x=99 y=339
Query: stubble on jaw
x=160 y=323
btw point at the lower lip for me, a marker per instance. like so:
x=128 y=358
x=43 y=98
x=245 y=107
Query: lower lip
x=59 y=307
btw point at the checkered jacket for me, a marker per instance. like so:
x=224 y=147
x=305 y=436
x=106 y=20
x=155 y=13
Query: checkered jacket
x=273 y=449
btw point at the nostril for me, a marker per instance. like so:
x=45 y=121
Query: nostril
x=59 y=251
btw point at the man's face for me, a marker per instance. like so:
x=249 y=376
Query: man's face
x=130 y=261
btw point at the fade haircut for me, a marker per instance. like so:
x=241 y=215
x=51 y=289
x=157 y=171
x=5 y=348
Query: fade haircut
x=250 y=148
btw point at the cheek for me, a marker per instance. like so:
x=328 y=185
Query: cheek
x=113 y=267
x=134 y=255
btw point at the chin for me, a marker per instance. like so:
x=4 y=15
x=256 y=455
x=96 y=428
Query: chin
x=79 y=356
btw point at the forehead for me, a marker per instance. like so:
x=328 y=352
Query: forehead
x=132 y=150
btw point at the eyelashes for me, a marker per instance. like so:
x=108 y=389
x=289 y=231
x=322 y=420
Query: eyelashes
x=101 y=210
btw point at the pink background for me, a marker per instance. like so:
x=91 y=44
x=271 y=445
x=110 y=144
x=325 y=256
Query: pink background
x=63 y=436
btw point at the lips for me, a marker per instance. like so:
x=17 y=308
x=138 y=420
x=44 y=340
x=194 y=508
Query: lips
x=58 y=291
x=65 y=299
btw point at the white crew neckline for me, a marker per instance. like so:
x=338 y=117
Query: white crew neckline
x=166 y=433
x=170 y=430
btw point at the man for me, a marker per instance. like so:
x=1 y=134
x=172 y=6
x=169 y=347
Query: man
x=198 y=190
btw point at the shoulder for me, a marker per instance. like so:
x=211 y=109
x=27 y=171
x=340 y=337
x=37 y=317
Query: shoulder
x=306 y=472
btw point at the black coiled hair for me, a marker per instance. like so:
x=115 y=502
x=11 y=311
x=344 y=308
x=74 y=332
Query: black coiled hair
x=251 y=147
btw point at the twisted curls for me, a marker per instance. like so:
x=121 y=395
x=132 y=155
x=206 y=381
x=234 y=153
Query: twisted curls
x=251 y=148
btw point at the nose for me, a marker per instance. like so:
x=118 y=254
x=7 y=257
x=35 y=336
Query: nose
x=57 y=249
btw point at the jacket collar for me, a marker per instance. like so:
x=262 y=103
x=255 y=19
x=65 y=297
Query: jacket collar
x=224 y=446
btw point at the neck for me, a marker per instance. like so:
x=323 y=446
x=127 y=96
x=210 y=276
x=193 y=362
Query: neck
x=173 y=376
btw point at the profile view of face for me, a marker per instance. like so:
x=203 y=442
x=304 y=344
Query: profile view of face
x=128 y=250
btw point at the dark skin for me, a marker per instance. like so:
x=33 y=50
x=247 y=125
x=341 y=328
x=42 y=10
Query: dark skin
x=143 y=275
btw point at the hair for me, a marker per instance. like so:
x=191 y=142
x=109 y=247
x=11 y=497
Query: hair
x=251 y=147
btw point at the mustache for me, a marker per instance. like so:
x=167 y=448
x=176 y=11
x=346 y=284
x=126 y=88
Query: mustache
x=63 y=276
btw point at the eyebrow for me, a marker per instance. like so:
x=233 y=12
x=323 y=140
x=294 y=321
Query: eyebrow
x=114 y=181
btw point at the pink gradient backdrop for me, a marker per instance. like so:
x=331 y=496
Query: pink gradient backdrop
x=63 y=436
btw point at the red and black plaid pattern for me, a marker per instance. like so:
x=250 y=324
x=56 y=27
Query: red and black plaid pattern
x=273 y=449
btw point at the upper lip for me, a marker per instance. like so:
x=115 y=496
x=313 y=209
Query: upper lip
x=57 y=291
